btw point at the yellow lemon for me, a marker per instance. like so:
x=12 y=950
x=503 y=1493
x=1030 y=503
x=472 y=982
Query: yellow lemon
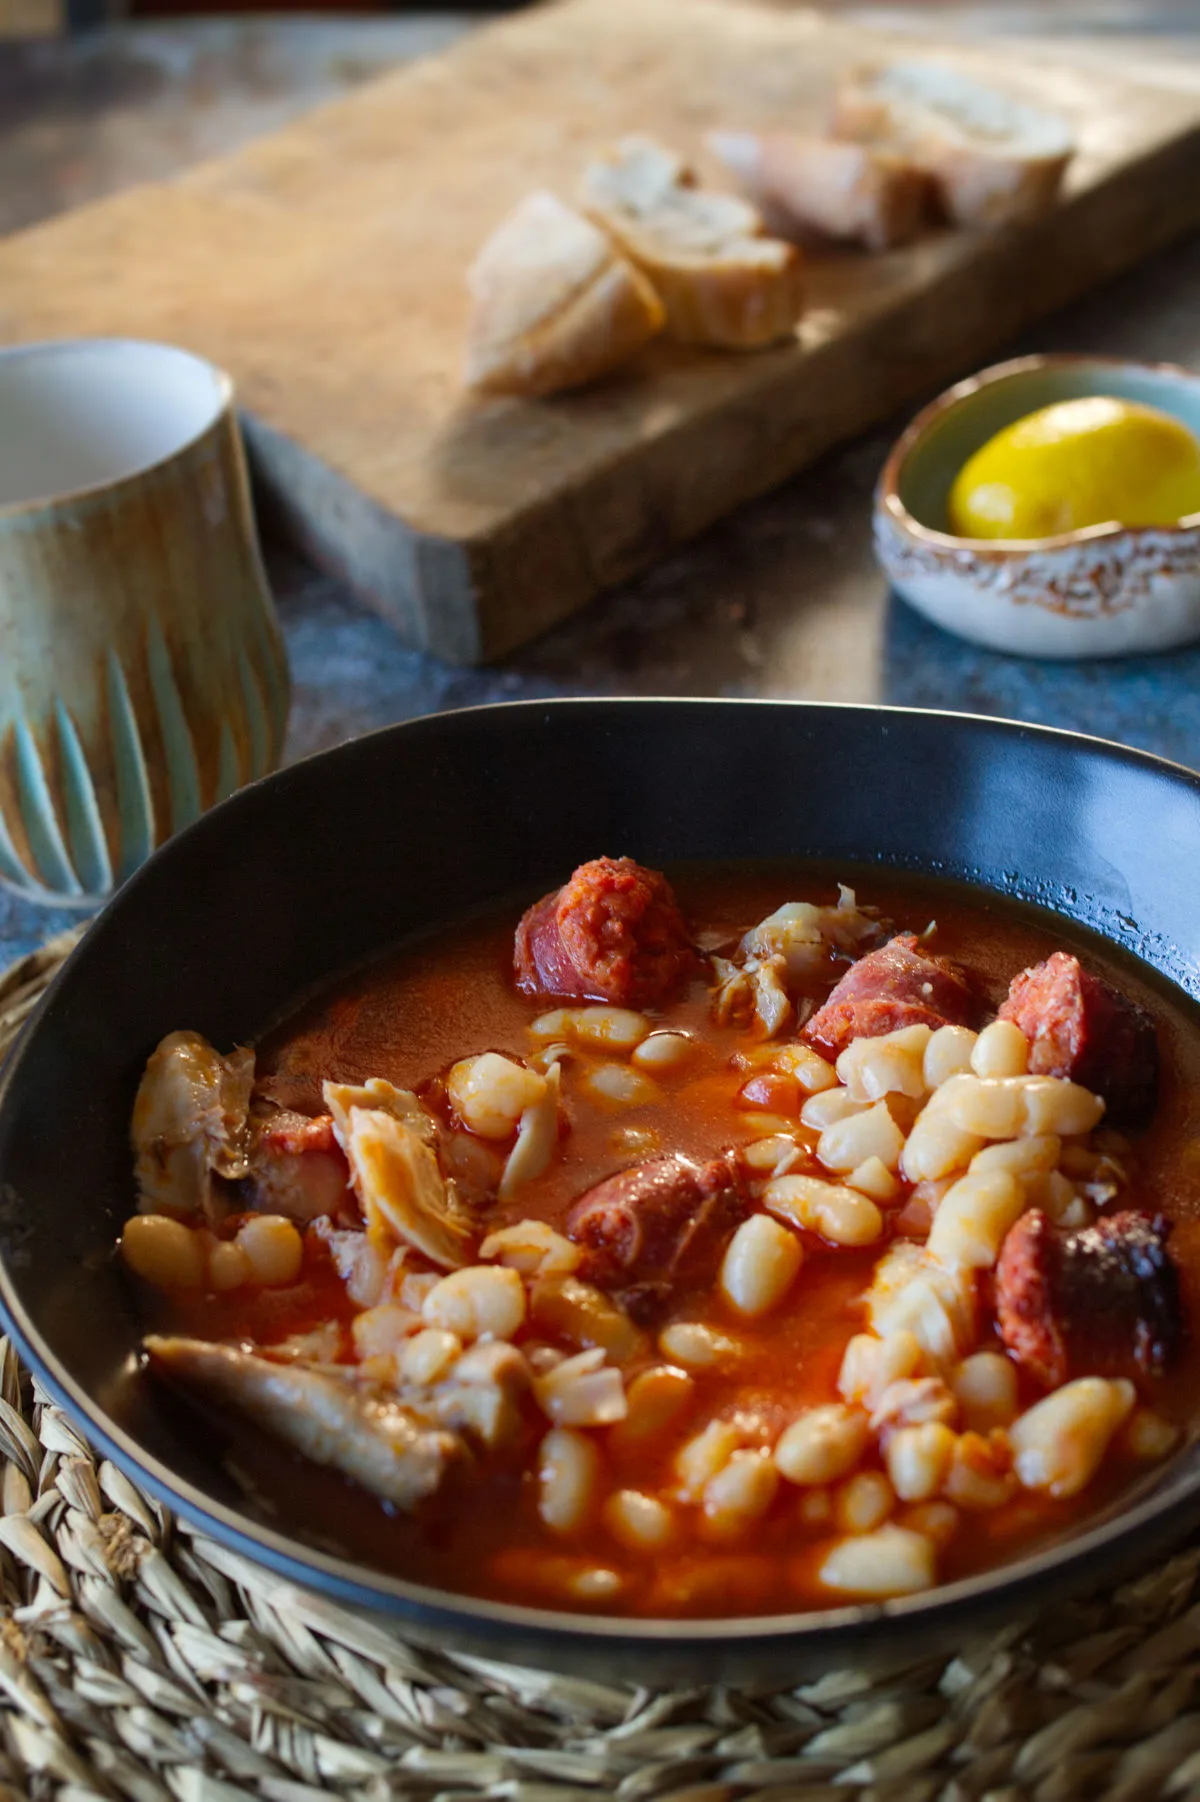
x=1078 y=463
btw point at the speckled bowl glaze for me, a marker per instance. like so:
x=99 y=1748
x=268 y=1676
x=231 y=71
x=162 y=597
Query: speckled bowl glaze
x=1101 y=592
x=142 y=672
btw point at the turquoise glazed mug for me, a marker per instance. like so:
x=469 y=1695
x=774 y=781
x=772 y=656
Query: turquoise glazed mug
x=142 y=671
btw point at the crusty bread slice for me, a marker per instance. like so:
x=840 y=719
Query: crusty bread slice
x=555 y=304
x=992 y=157
x=721 y=281
x=839 y=190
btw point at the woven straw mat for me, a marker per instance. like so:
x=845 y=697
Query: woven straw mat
x=139 y=1659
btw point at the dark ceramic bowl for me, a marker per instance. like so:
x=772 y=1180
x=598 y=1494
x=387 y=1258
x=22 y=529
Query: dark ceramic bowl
x=283 y=887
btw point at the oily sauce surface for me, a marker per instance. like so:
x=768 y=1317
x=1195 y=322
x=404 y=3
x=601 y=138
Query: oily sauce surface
x=409 y=1019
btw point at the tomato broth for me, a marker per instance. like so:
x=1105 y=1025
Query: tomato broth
x=412 y=1017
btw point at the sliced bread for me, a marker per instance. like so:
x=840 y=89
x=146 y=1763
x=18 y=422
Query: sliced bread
x=554 y=303
x=992 y=157
x=720 y=280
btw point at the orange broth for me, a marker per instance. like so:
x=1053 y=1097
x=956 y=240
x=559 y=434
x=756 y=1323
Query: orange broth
x=408 y=1019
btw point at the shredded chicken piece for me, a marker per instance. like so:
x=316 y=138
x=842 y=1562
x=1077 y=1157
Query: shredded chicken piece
x=382 y=1097
x=782 y=949
x=189 y=1124
x=804 y=934
x=379 y=1441
x=394 y=1172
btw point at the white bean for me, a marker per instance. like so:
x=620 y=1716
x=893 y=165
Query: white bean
x=653 y=1401
x=769 y=1153
x=619 y=1083
x=871 y=1365
x=948 y=1054
x=872 y=1177
x=828 y=1106
x=428 y=1355
x=822 y=1445
x=760 y=1265
x=1147 y=1435
x=986 y=1387
x=739 y=1494
x=698 y=1347
x=893 y=1063
x=1023 y=1158
x=611 y=1028
x=974 y=1217
x=863 y=1502
x=697 y=1462
x=918 y=1459
x=663 y=1051
x=581 y=1391
x=568 y=1480
x=483 y=1298
x=273 y=1248
x=163 y=1251
x=639 y=1521
x=489 y=1093
x=936 y=1146
x=838 y=1214
x=850 y=1142
x=892 y=1561
x=228 y=1266
x=1060 y=1441
x=380 y=1332
x=1000 y=1050
x=558 y=1024
x=811 y=1071
x=1010 y=1107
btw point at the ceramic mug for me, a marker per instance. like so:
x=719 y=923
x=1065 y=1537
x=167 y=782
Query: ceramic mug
x=142 y=670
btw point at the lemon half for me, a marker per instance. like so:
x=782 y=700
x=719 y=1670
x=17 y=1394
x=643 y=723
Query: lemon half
x=1078 y=463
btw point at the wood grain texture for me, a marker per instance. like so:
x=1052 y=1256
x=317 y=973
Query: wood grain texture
x=323 y=266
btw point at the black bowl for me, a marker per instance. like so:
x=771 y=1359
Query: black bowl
x=319 y=868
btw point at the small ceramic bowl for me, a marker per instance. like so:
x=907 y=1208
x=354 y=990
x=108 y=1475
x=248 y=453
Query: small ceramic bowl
x=1103 y=591
x=142 y=673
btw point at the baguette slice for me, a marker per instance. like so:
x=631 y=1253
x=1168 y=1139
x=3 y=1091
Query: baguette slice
x=721 y=281
x=554 y=303
x=992 y=157
x=839 y=190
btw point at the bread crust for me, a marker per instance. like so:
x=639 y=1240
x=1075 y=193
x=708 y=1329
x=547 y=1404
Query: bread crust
x=1011 y=168
x=554 y=304
x=848 y=191
x=721 y=280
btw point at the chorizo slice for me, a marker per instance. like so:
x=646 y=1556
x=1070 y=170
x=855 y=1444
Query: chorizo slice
x=1080 y=1027
x=661 y=1223
x=613 y=933
x=896 y=986
x=1101 y=1301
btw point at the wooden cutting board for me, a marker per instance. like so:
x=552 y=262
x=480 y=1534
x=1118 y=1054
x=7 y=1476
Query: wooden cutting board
x=323 y=266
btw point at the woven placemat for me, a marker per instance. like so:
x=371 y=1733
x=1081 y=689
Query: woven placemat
x=139 y=1659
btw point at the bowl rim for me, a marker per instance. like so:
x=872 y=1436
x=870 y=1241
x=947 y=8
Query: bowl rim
x=887 y=493
x=1005 y=1590
x=44 y=508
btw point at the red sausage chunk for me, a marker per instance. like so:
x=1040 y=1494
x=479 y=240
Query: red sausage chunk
x=297 y=1167
x=613 y=933
x=1103 y=1301
x=663 y=1222
x=893 y=987
x=1078 y=1026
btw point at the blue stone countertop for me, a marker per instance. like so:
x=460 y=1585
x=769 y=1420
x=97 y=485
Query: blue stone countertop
x=783 y=599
